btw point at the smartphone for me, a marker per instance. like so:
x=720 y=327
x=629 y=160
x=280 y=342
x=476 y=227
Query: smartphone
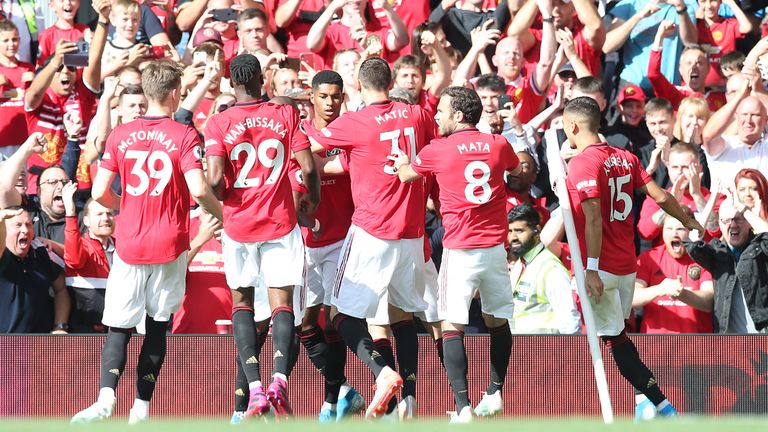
x=199 y=58
x=157 y=52
x=224 y=15
x=308 y=58
x=78 y=58
x=504 y=99
x=291 y=63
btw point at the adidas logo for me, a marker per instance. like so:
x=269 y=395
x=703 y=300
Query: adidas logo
x=149 y=378
x=277 y=354
x=651 y=382
x=252 y=360
x=115 y=371
x=411 y=377
x=239 y=392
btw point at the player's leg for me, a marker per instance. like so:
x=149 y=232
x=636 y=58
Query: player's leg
x=407 y=343
x=365 y=269
x=241 y=394
x=381 y=334
x=498 y=308
x=622 y=348
x=123 y=310
x=429 y=318
x=456 y=289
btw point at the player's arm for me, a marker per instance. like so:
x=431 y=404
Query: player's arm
x=215 y=173
x=329 y=166
x=102 y=191
x=101 y=124
x=702 y=299
x=311 y=180
x=669 y=204
x=61 y=302
x=202 y=193
x=593 y=231
x=402 y=165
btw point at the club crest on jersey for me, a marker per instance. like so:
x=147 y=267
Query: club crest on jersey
x=694 y=272
x=197 y=152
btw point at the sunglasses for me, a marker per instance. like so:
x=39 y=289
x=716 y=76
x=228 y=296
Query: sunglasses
x=69 y=68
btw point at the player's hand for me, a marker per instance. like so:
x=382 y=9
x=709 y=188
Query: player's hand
x=594 y=285
x=399 y=159
x=307 y=205
x=68 y=197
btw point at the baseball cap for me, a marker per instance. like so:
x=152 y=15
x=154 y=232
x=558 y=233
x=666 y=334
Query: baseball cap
x=207 y=34
x=633 y=92
x=568 y=67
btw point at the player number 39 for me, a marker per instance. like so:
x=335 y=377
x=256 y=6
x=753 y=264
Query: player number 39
x=162 y=173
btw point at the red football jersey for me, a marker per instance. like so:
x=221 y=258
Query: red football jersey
x=469 y=167
x=151 y=154
x=13 y=121
x=256 y=140
x=665 y=314
x=610 y=174
x=384 y=207
x=50 y=36
x=719 y=38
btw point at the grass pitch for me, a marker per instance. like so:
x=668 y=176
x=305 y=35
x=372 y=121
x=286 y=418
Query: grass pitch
x=576 y=424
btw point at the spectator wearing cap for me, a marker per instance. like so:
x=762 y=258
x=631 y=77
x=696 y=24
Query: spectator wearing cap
x=629 y=123
x=578 y=18
x=694 y=68
x=675 y=293
x=727 y=154
x=631 y=33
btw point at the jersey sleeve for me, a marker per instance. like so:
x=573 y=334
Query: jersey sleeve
x=109 y=158
x=425 y=162
x=339 y=134
x=584 y=175
x=191 y=153
x=298 y=140
x=214 y=143
x=509 y=159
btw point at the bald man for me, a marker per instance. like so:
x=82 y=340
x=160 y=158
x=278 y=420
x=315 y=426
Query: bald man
x=747 y=149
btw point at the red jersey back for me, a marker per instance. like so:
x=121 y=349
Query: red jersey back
x=384 y=206
x=151 y=154
x=612 y=175
x=469 y=167
x=256 y=139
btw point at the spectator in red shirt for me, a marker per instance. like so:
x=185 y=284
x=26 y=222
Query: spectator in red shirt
x=64 y=28
x=518 y=186
x=676 y=294
x=296 y=18
x=15 y=77
x=694 y=67
x=717 y=35
x=411 y=74
x=580 y=16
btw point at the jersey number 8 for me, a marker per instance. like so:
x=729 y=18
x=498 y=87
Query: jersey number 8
x=473 y=183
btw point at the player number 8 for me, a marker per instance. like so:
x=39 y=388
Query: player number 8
x=473 y=183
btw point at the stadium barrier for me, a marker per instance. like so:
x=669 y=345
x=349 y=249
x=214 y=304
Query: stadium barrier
x=547 y=376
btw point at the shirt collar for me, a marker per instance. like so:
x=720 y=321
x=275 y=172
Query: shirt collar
x=532 y=253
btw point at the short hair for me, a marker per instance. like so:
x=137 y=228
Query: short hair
x=656 y=105
x=123 y=6
x=410 y=61
x=399 y=94
x=466 y=101
x=695 y=48
x=588 y=85
x=491 y=81
x=131 y=89
x=374 y=74
x=245 y=69
x=7 y=25
x=252 y=13
x=586 y=110
x=127 y=68
x=210 y=49
x=327 y=77
x=526 y=213
x=341 y=53
x=684 y=147
x=54 y=166
x=160 y=78
x=732 y=60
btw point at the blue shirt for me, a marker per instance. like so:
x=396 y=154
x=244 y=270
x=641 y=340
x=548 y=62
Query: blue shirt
x=637 y=49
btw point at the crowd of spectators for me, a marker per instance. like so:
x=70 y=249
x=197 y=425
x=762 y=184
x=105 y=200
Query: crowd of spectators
x=682 y=84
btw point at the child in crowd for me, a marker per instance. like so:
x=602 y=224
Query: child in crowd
x=15 y=77
x=64 y=28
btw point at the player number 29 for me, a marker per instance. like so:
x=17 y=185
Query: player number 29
x=252 y=154
x=474 y=183
x=617 y=194
x=394 y=138
x=146 y=167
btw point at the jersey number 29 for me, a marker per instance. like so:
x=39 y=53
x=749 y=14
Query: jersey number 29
x=251 y=154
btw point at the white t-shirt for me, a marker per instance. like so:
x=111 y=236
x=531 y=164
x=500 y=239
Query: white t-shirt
x=736 y=156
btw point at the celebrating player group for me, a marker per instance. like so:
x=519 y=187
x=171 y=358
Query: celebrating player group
x=330 y=211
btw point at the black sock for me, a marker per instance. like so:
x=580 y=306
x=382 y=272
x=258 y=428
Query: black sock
x=632 y=368
x=456 y=366
x=295 y=350
x=282 y=339
x=354 y=331
x=314 y=342
x=336 y=360
x=501 y=349
x=151 y=358
x=113 y=357
x=407 y=354
x=248 y=348
x=241 y=387
x=439 y=349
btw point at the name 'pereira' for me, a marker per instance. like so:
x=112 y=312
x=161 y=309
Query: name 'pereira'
x=252 y=122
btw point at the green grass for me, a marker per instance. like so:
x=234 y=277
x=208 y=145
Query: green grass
x=688 y=423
